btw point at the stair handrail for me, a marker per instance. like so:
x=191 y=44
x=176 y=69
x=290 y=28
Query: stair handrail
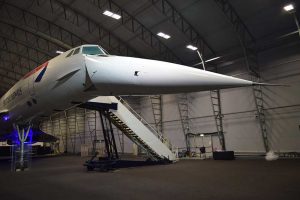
x=159 y=135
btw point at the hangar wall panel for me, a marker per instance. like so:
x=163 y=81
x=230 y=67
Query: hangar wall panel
x=283 y=103
x=241 y=126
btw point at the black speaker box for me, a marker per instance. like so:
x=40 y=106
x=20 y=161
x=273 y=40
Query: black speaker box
x=223 y=155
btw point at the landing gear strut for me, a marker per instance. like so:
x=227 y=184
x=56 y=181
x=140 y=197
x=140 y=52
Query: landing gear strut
x=21 y=149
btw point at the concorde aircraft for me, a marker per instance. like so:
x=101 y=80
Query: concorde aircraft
x=87 y=71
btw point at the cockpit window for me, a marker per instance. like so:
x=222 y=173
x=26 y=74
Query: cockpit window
x=92 y=50
x=76 y=51
x=69 y=54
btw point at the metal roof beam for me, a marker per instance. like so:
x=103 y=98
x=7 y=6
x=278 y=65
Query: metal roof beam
x=19 y=55
x=140 y=30
x=79 y=19
x=175 y=17
x=12 y=66
x=27 y=47
x=43 y=27
x=246 y=39
x=6 y=82
x=7 y=76
x=23 y=43
x=238 y=24
x=4 y=87
x=28 y=30
x=17 y=61
x=4 y=79
x=32 y=39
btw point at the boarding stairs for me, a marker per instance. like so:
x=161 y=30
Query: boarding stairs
x=137 y=129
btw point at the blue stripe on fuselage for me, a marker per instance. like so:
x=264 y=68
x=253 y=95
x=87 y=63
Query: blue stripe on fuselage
x=41 y=74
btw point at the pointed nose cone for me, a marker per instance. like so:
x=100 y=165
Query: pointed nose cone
x=135 y=76
x=172 y=78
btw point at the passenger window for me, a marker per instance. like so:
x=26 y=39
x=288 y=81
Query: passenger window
x=76 y=51
x=69 y=54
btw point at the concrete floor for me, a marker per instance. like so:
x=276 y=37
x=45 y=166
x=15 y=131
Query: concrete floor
x=66 y=178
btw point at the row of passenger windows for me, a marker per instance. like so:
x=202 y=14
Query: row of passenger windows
x=92 y=50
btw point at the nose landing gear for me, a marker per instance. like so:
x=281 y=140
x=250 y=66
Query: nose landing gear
x=21 y=149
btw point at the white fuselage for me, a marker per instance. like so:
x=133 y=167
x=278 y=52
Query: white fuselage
x=81 y=77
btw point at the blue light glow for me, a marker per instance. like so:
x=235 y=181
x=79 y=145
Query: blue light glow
x=6 y=117
x=15 y=137
x=29 y=137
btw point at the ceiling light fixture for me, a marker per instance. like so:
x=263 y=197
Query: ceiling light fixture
x=191 y=47
x=289 y=7
x=111 y=14
x=163 y=35
x=59 y=52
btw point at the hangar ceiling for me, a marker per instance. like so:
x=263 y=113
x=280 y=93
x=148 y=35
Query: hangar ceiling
x=33 y=30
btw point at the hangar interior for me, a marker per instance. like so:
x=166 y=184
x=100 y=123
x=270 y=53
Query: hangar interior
x=255 y=40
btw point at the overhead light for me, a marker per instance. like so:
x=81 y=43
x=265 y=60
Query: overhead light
x=116 y=16
x=111 y=14
x=289 y=7
x=191 y=47
x=163 y=35
x=59 y=52
x=108 y=13
x=202 y=135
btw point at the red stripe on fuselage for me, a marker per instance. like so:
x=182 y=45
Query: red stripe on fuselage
x=36 y=70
